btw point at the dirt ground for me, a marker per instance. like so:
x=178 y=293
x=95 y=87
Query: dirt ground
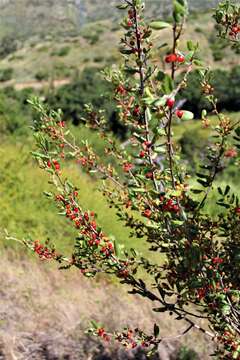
x=44 y=312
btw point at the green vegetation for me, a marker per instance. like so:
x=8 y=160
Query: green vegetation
x=226 y=88
x=26 y=211
x=88 y=88
x=6 y=74
x=64 y=51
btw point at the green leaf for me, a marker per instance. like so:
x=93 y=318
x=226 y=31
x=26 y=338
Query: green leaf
x=187 y=115
x=140 y=190
x=116 y=248
x=204 y=113
x=168 y=84
x=227 y=190
x=159 y=25
x=196 y=191
x=237 y=131
x=48 y=194
x=148 y=114
x=189 y=56
x=161 y=101
x=156 y=330
x=179 y=10
x=122 y=6
x=125 y=51
x=94 y=324
x=160 y=75
x=130 y=70
x=162 y=309
x=39 y=155
x=203 y=183
x=190 y=45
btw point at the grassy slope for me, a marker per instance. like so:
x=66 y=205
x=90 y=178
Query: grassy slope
x=26 y=211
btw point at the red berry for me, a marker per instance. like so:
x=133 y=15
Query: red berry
x=231 y=153
x=235 y=29
x=146 y=145
x=237 y=210
x=129 y=23
x=217 y=260
x=121 y=90
x=101 y=332
x=171 y=58
x=136 y=110
x=180 y=58
x=49 y=163
x=175 y=208
x=57 y=166
x=86 y=216
x=170 y=103
x=61 y=124
x=149 y=175
x=179 y=113
x=147 y=213
x=142 y=154
x=127 y=167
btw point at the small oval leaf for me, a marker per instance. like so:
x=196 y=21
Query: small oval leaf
x=159 y=25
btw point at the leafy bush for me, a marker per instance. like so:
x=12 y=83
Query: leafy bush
x=193 y=147
x=42 y=75
x=63 y=51
x=187 y=354
x=217 y=46
x=6 y=74
x=8 y=45
x=12 y=118
x=87 y=88
x=226 y=89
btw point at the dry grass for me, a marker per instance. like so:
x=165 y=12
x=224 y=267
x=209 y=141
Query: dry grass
x=43 y=314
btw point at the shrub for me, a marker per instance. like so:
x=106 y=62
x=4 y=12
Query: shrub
x=197 y=275
x=63 y=51
x=193 y=147
x=187 y=354
x=6 y=74
x=12 y=118
x=226 y=89
x=8 y=45
x=42 y=75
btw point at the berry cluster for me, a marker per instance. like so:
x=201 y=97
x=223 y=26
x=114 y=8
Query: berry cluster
x=85 y=222
x=53 y=164
x=43 y=251
x=173 y=58
x=234 y=30
x=171 y=205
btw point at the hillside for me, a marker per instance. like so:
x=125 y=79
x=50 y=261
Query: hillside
x=48 y=40
x=25 y=18
x=61 y=58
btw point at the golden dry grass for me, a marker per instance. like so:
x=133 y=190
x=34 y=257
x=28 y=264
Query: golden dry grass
x=44 y=312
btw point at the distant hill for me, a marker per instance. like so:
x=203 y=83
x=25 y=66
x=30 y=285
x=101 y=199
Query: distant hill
x=47 y=42
x=25 y=18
